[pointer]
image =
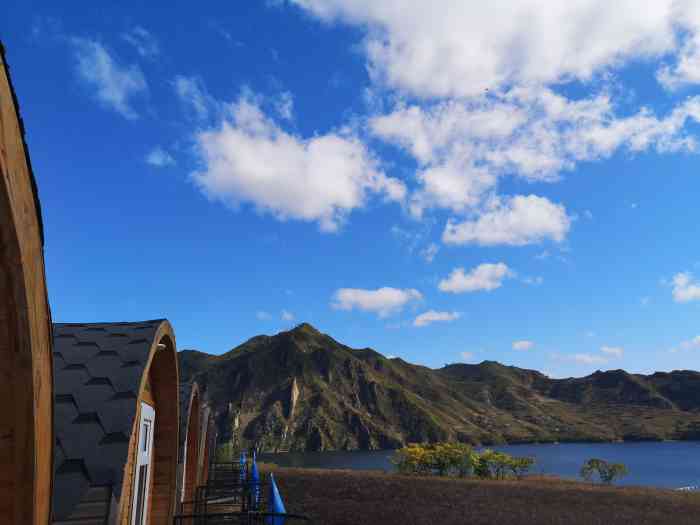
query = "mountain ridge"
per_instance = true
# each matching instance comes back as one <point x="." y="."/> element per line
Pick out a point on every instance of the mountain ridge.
<point x="302" y="390"/>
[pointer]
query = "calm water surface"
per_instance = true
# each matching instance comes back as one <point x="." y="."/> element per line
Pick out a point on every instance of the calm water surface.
<point x="668" y="464"/>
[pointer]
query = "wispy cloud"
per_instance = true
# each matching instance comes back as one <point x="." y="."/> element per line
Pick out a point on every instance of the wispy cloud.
<point x="143" y="41"/>
<point x="429" y="252"/>
<point x="160" y="158"/>
<point x="193" y="94"/>
<point x="115" y="84"/>
<point x="261" y="315"/>
<point x="523" y="345"/>
<point x="284" y="104"/>
<point x="612" y="351"/>
<point x="588" y="359"/>
<point x="433" y="316"/>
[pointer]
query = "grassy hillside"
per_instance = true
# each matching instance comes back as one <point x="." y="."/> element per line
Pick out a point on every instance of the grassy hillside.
<point x="302" y="390"/>
<point x="337" y="497"/>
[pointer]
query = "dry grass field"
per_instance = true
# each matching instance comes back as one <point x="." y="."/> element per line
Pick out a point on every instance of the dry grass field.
<point x="343" y="497"/>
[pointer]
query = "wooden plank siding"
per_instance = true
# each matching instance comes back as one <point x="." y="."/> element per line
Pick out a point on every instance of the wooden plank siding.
<point x="192" y="446"/>
<point x="26" y="429"/>
<point x="160" y="390"/>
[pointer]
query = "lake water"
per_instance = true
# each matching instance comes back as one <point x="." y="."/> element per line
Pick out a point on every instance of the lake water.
<point x="666" y="464"/>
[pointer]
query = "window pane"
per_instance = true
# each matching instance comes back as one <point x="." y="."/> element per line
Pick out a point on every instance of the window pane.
<point x="141" y="494"/>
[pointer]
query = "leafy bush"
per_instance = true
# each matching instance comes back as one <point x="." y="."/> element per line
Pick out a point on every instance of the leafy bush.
<point x="607" y="472"/>
<point x="458" y="459"/>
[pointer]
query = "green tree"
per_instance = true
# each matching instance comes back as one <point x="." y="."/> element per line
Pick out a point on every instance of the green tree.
<point x="607" y="472"/>
<point x="412" y="459"/>
<point x="520" y="466"/>
<point x="492" y="464"/>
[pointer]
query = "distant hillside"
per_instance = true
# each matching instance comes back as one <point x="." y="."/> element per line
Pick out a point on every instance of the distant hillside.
<point x="302" y="390"/>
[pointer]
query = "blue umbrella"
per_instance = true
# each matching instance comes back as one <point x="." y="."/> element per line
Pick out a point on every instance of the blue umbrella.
<point x="255" y="479"/>
<point x="276" y="504"/>
<point x="244" y="464"/>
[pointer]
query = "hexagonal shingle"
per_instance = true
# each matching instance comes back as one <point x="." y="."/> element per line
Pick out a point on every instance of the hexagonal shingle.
<point x="97" y="372"/>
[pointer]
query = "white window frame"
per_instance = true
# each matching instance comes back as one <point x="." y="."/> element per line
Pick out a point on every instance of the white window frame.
<point x="144" y="456"/>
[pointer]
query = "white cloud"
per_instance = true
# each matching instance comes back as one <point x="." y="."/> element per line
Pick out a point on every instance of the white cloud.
<point x="686" y="69"/>
<point x="533" y="281"/>
<point x="474" y="100"/>
<point x="432" y="316"/>
<point x="249" y="158"/>
<point x="515" y="221"/>
<point x="194" y="95"/>
<point x="285" y="105"/>
<point x="523" y="345"/>
<point x="160" y="158"/>
<point x="262" y="315"/>
<point x="457" y="48"/>
<point x="286" y="315"/>
<point x="466" y="356"/>
<point x="429" y="252"/>
<point x="685" y="289"/>
<point x="613" y="351"/>
<point x="486" y="276"/>
<point x="115" y="84"/>
<point x="691" y="343"/>
<point x="464" y="147"/>
<point x="382" y="301"/>
<point x="588" y="359"/>
<point x="143" y="41"/>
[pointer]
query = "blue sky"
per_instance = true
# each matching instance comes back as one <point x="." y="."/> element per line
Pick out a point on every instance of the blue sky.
<point x="514" y="182"/>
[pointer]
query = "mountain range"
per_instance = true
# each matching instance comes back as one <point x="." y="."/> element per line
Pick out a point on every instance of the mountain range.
<point x="303" y="390"/>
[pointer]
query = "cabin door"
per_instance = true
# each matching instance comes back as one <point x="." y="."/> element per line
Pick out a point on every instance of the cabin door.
<point x="143" y="466"/>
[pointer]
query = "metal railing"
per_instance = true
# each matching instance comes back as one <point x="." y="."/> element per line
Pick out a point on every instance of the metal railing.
<point x="240" y="518"/>
<point x="230" y="497"/>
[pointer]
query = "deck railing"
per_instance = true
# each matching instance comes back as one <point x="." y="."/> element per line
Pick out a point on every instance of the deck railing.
<point x="231" y="497"/>
<point x="240" y="518"/>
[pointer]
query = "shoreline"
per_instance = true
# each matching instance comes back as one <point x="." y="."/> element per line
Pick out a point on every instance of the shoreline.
<point x="508" y="444"/>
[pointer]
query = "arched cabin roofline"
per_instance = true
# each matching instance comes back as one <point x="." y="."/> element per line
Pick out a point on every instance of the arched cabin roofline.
<point x="161" y="371"/>
<point x="26" y="424"/>
<point x="190" y="448"/>
<point x="104" y="371"/>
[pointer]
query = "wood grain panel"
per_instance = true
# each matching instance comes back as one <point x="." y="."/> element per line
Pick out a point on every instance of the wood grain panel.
<point x="159" y="387"/>
<point x="26" y="424"/>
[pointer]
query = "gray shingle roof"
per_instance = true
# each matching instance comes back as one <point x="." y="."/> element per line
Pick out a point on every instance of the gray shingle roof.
<point x="97" y="374"/>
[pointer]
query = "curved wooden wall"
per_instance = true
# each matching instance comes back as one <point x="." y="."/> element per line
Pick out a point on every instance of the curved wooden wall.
<point x="26" y="428"/>
<point x="159" y="387"/>
<point x="191" y="470"/>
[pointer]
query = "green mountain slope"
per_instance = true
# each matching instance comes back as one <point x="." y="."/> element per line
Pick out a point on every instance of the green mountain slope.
<point x="302" y="390"/>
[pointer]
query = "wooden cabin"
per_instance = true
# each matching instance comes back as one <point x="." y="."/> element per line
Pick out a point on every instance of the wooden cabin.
<point x="197" y="431"/>
<point x="116" y="423"/>
<point x="26" y="431"/>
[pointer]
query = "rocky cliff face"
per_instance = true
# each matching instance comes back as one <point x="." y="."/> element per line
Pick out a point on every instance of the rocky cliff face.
<point x="302" y="390"/>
